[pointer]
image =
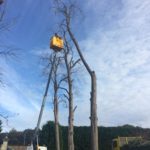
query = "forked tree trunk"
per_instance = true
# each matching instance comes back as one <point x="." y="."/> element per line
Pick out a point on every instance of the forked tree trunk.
<point x="93" y="99"/>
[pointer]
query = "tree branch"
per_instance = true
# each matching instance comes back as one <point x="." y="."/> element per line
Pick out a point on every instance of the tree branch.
<point x="75" y="108"/>
<point x="64" y="89"/>
<point x="76" y="62"/>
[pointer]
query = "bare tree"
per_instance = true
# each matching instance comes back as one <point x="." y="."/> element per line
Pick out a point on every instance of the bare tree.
<point x="70" y="64"/>
<point x="5" y="118"/>
<point x="68" y="89"/>
<point x="70" y="100"/>
<point x="6" y="51"/>
<point x="67" y="10"/>
<point x="56" y="101"/>
<point x="5" y="24"/>
<point x="57" y="80"/>
<point x="64" y="82"/>
<point x="56" y="107"/>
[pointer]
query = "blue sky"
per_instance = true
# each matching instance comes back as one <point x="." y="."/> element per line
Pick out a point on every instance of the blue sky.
<point x="114" y="36"/>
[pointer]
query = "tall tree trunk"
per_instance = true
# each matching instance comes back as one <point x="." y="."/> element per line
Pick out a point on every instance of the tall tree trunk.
<point x="57" y="139"/>
<point x="71" y="112"/>
<point x="71" y="128"/>
<point x="93" y="117"/>
<point x="94" y="128"/>
<point x="70" y="119"/>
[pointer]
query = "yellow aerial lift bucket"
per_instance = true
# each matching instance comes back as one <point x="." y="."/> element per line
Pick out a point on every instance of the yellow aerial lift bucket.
<point x="56" y="43"/>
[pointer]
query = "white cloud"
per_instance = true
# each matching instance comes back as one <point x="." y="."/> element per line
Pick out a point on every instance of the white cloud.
<point x="18" y="97"/>
<point x="120" y="57"/>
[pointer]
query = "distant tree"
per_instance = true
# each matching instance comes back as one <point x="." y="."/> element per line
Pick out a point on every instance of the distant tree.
<point x="15" y="136"/>
<point x="27" y="136"/>
<point x="47" y="135"/>
<point x="81" y="136"/>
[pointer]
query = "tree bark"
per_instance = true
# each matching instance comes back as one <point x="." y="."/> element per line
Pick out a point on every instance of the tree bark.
<point x="94" y="128"/>
<point x="70" y="121"/>
<point x="56" y="107"/>
<point x="57" y="140"/>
